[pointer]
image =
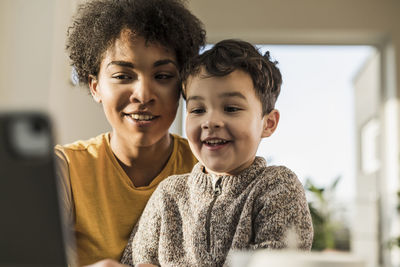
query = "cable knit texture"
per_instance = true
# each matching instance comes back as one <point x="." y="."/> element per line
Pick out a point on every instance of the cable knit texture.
<point x="190" y="222"/>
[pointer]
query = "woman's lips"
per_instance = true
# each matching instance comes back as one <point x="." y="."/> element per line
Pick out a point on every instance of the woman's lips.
<point x="141" y="119"/>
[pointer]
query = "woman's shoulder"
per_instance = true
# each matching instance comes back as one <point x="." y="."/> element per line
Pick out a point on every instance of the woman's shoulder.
<point x="181" y="144"/>
<point x="183" y="158"/>
<point x="80" y="145"/>
<point x="88" y="151"/>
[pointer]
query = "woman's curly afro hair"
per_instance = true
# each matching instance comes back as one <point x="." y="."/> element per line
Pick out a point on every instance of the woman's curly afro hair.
<point x="98" y="24"/>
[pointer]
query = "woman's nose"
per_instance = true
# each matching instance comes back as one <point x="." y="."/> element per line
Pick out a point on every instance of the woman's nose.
<point x="142" y="91"/>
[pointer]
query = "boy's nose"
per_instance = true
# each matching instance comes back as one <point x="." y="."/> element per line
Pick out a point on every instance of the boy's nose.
<point x="142" y="92"/>
<point x="212" y="122"/>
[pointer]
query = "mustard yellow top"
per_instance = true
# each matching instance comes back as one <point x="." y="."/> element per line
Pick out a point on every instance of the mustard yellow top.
<point x="101" y="200"/>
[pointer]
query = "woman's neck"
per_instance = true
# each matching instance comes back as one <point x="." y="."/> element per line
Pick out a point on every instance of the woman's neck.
<point x="142" y="163"/>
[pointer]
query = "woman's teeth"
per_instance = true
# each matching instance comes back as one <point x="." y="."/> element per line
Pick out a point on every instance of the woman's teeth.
<point x="142" y="117"/>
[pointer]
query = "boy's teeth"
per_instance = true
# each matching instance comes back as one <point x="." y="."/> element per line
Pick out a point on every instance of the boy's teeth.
<point x="215" y="141"/>
<point x="141" y="117"/>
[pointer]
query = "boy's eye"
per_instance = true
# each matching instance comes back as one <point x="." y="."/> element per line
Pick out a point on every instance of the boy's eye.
<point x="197" y="110"/>
<point x="231" y="109"/>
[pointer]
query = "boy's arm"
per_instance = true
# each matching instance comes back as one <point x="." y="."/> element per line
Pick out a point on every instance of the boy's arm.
<point x="284" y="218"/>
<point x="127" y="254"/>
<point x="143" y="243"/>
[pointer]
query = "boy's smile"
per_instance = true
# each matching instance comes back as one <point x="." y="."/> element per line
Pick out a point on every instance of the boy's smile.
<point x="224" y="121"/>
<point x="215" y="143"/>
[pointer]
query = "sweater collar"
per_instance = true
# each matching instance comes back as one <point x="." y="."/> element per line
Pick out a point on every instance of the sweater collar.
<point x="229" y="183"/>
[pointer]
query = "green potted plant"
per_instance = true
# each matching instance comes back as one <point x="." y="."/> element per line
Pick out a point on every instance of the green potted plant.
<point x="395" y="241"/>
<point x="330" y="233"/>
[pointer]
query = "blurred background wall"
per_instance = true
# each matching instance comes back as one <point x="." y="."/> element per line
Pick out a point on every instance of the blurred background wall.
<point x="35" y="72"/>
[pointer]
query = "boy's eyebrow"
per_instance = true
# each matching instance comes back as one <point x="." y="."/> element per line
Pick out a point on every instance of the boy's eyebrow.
<point x="194" y="97"/>
<point x="233" y="94"/>
<point x="223" y="95"/>
<point x="131" y="65"/>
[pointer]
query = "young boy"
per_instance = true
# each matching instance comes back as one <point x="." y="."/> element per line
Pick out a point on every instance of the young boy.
<point x="231" y="200"/>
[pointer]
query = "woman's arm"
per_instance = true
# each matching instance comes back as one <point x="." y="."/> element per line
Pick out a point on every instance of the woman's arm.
<point x="64" y="183"/>
<point x="66" y="202"/>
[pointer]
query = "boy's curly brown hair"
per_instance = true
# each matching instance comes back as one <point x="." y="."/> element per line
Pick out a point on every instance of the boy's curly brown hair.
<point x="98" y="24"/>
<point x="229" y="55"/>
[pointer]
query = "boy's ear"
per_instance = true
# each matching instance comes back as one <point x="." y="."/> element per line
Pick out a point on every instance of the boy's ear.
<point x="93" y="86"/>
<point x="270" y="123"/>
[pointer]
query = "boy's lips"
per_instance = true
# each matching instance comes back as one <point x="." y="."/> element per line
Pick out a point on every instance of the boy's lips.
<point x="215" y="143"/>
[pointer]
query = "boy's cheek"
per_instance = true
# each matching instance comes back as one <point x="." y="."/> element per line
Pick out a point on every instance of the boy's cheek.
<point x="193" y="132"/>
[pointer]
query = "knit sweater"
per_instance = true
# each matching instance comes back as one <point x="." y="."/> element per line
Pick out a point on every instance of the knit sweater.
<point x="189" y="221"/>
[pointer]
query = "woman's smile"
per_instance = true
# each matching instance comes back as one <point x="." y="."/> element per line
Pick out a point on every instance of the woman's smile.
<point x="138" y="86"/>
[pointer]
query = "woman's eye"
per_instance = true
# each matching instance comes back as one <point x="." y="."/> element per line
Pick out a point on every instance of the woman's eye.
<point x="163" y="76"/>
<point x="121" y="77"/>
<point x="231" y="109"/>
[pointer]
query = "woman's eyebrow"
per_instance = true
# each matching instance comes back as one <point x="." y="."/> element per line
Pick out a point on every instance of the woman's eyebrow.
<point x="121" y="63"/>
<point x="131" y="65"/>
<point x="164" y="62"/>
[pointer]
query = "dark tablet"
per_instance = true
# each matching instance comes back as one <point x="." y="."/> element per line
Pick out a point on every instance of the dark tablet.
<point x="31" y="227"/>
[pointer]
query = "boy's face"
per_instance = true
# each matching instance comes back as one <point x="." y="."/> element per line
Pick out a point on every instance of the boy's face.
<point x="224" y="121"/>
<point x="138" y="87"/>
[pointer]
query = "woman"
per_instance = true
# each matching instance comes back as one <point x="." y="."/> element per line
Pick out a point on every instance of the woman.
<point x="129" y="54"/>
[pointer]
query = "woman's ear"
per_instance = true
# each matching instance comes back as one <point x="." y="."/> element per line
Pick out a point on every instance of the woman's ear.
<point x="93" y="86"/>
<point x="270" y="123"/>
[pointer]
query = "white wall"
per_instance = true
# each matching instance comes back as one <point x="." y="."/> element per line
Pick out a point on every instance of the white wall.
<point x="366" y="223"/>
<point x="25" y="53"/>
<point x="76" y="115"/>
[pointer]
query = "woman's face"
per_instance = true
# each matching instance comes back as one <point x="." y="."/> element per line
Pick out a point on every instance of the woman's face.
<point x="138" y="87"/>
